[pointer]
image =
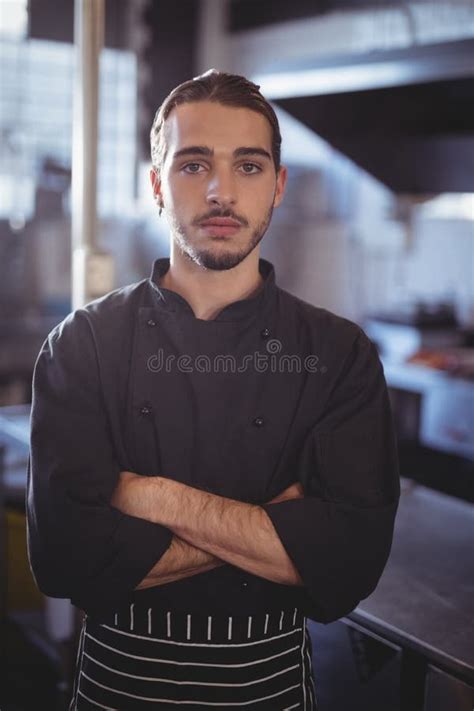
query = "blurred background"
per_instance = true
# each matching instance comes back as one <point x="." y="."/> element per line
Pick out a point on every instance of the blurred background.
<point x="375" y="102"/>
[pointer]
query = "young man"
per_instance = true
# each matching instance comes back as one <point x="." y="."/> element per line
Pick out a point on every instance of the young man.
<point x="212" y="459"/>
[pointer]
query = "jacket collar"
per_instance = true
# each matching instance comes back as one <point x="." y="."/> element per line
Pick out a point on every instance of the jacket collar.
<point x="235" y="311"/>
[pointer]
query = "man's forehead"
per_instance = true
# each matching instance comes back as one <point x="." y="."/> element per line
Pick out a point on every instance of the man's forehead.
<point x="213" y="124"/>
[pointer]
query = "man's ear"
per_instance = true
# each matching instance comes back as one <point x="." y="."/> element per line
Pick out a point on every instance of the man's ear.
<point x="282" y="177"/>
<point x="156" y="185"/>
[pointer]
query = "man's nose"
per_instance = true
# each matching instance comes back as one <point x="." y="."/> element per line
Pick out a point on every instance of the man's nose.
<point x="221" y="188"/>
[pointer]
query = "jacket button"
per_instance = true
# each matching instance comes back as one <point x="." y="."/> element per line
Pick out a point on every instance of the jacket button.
<point x="265" y="332"/>
<point x="150" y="322"/>
<point x="244" y="584"/>
<point x="145" y="410"/>
<point x="258" y="421"/>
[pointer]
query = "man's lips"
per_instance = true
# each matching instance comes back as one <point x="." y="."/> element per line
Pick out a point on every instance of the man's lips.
<point x="220" y="226"/>
<point x="220" y="222"/>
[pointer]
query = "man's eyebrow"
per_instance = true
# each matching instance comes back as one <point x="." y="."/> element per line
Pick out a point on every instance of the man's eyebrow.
<point x="193" y="151"/>
<point x="252" y="151"/>
<point x="205" y="151"/>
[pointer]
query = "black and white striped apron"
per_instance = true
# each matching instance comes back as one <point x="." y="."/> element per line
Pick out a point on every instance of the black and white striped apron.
<point x="143" y="659"/>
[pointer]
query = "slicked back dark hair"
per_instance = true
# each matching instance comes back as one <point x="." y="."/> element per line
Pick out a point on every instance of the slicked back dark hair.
<point x="223" y="88"/>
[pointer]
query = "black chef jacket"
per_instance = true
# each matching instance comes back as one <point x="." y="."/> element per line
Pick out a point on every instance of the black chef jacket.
<point x="271" y="391"/>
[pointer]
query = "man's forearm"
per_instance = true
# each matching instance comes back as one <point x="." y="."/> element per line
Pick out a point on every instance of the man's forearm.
<point x="180" y="560"/>
<point x="238" y="533"/>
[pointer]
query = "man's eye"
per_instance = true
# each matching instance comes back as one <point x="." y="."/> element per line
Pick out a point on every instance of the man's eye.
<point x="192" y="167"/>
<point x="250" y="168"/>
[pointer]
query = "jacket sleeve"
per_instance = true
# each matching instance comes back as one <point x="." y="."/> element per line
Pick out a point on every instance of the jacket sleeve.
<point x="80" y="547"/>
<point x="339" y="536"/>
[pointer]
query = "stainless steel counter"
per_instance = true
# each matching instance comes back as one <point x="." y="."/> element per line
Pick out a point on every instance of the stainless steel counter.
<point x="424" y="602"/>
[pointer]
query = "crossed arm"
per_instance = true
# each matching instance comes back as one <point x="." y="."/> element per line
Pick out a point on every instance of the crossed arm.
<point x="209" y="530"/>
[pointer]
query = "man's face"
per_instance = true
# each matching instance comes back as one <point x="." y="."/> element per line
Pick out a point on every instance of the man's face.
<point x="218" y="181"/>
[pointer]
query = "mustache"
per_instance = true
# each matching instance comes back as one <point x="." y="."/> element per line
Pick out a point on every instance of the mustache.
<point x="222" y="213"/>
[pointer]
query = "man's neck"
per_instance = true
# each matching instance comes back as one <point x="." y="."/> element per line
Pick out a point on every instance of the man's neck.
<point x="208" y="291"/>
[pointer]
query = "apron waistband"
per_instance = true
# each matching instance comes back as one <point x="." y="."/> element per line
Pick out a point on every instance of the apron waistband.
<point x="201" y="627"/>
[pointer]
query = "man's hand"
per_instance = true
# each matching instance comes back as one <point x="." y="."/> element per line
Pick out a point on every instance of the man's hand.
<point x="120" y="500"/>
<point x="295" y="491"/>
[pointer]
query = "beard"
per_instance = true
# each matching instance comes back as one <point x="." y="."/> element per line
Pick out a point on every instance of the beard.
<point x="217" y="260"/>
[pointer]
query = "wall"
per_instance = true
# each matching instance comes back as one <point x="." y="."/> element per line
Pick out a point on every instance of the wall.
<point x="326" y="262"/>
